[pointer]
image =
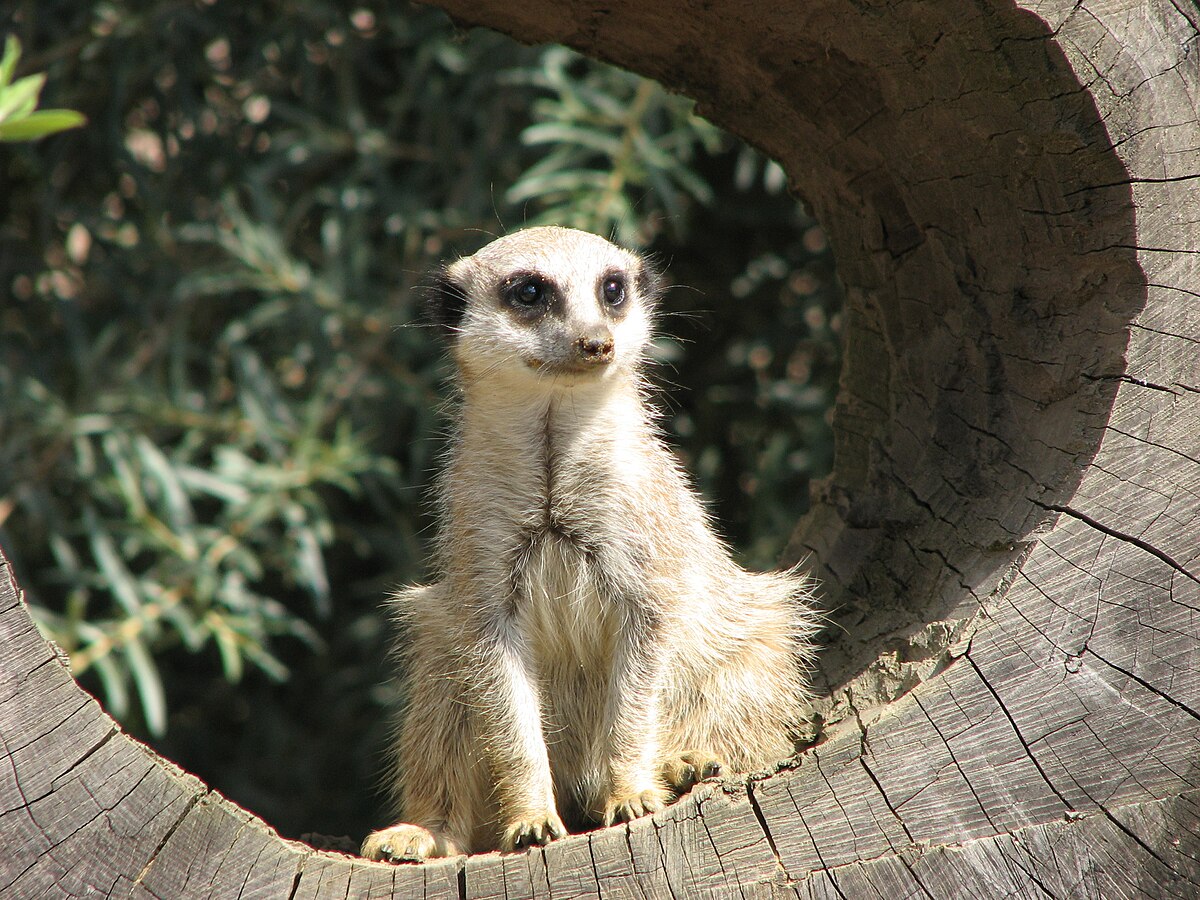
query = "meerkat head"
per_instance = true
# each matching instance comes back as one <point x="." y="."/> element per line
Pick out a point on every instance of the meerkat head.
<point x="553" y="304"/>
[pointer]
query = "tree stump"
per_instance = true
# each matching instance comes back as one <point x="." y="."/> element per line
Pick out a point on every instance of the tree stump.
<point x="1009" y="543"/>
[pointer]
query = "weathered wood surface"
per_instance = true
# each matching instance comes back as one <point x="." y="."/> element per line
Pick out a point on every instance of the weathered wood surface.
<point x="1010" y="542"/>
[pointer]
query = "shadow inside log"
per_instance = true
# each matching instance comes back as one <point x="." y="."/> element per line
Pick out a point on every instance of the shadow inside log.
<point x="984" y="229"/>
<point x="985" y="232"/>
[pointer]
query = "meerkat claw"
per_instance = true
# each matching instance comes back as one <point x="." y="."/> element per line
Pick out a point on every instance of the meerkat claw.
<point x="528" y="833"/>
<point x="634" y="806"/>
<point x="405" y="844"/>
<point x="685" y="771"/>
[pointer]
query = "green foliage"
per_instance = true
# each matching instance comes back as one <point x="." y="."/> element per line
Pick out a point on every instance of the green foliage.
<point x="218" y="414"/>
<point x="609" y="140"/>
<point x="20" y="119"/>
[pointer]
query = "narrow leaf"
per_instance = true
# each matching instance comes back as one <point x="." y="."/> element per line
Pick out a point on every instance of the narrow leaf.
<point x="272" y="667"/>
<point x="41" y="124"/>
<point x="21" y="96"/>
<point x="311" y="565"/>
<point x="149" y="686"/>
<point x="206" y="482"/>
<point x="156" y="464"/>
<point x="568" y="182"/>
<point x="8" y="65"/>
<point x="229" y="647"/>
<point x="120" y="580"/>
<point x="562" y="133"/>
<point x="112" y="680"/>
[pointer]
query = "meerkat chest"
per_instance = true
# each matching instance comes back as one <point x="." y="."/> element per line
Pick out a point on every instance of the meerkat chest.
<point x="540" y="503"/>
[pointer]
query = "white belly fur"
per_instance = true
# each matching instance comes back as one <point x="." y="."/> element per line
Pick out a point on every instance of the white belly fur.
<point x="572" y="631"/>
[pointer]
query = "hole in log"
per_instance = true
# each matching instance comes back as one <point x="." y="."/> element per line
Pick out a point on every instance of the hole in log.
<point x="978" y="172"/>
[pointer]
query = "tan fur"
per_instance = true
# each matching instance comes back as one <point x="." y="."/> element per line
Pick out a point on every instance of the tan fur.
<point x="590" y="649"/>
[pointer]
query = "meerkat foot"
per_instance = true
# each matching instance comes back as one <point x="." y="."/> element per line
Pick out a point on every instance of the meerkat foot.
<point x="407" y="843"/>
<point x="537" y="830"/>
<point x="634" y="806"/>
<point x="683" y="772"/>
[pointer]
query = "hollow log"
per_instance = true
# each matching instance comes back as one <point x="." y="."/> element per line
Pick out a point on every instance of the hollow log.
<point x="1009" y="544"/>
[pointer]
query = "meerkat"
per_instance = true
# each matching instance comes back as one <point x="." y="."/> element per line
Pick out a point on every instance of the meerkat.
<point x="590" y="649"/>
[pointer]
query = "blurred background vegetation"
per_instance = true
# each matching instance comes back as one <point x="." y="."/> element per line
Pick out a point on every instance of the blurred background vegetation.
<point x="217" y="422"/>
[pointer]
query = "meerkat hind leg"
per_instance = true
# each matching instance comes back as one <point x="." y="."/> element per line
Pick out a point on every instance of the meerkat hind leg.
<point x="683" y="772"/>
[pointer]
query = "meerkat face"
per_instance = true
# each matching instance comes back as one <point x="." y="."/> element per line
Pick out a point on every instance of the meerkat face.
<point x="553" y="304"/>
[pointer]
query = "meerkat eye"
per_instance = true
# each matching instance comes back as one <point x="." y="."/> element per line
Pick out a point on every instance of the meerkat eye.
<point x="612" y="289"/>
<point x="527" y="293"/>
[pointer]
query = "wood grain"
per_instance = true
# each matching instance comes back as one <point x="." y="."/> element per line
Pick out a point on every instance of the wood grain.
<point x="1010" y="542"/>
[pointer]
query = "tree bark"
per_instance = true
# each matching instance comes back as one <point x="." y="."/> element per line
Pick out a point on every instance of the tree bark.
<point x="1009" y="542"/>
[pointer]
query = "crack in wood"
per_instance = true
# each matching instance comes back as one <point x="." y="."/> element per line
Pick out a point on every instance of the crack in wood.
<point x="1184" y="12"/>
<point x="1150" y="385"/>
<point x="830" y="871"/>
<point x="862" y="761"/>
<point x="864" y="748"/>
<point x="1017" y="731"/>
<point x="1028" y="872"/>
<point x="716" y="850"/>
<point x="237" y="833"/>
<point x="1144" y="249"/>
<point x="632" y="859"/>
<point x="1129" y="182"/>
<point x="1151" y="443"/>
<point x="296" y="878"/>
<point x="83" y="704"/>
<point x="1071" y="652"/>
<point x="913" y="875"/>
<point x="1144" y="683"/>
<point x="125" y="796"/>
<point x="95" y="748"/>
<point x="761" y="818"/>
<point x="1119" y="535"/>
<point x="191" y="804"/>
<point x="595" y="869"/>
<point x="25" y="804"/>
<point x="1129" y="379"/>
<point x="663" y="859"/>
<point x="957" y="765"/>
<point x="252" y="868"/>
<point x="504" y="876"/>
<point x="1129" y="833"/>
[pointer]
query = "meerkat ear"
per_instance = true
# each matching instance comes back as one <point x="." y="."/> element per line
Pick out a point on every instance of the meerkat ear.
<point x="649" y="282"/>
<point x="445" y="302"/>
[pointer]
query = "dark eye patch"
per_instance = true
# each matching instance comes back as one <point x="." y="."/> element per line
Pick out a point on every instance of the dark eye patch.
<point x="527" y="293"/>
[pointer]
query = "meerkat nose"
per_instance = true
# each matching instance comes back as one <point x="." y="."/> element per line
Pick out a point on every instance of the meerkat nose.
<point x="596" y="347"/>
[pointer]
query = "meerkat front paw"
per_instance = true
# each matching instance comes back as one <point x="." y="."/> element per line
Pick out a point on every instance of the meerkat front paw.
<point x="633" y="806"/>
<point x="535" y="830"/>
<point x="407" y="843"/>
<point x="683" y="772"/>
